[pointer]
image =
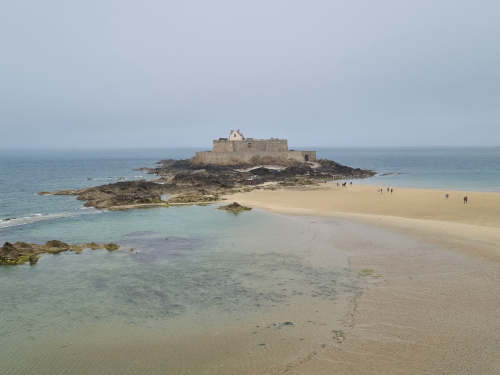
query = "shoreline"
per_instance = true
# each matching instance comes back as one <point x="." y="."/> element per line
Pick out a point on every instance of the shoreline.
<point x="426" y="213"/>
<point x="429" y="305"/>
<point x="476" y="189"/>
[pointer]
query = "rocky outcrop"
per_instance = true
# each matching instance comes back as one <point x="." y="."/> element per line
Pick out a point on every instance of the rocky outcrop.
<point x="190" y="183"/>
<point x="235" y="208"/>
<point x="23" y="252"/>
<point x="117" y="194"/>
<point x="202" y="196"/>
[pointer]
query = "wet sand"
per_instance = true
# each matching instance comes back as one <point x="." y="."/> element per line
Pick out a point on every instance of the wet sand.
<point x="432" y="305"/>
<point x="474" y="227"/>
<point x="429" y="310"/>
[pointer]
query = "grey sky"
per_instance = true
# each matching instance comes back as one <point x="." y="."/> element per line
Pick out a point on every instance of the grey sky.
<point x="121" y="73"/>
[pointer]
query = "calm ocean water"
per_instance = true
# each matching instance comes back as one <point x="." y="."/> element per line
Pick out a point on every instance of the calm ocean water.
<point x="473" y="169"/>
<point x="24" y="173"/>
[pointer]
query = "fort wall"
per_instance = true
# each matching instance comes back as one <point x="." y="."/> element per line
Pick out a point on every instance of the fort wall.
<point x="251" y="151"/>
<point x="253" y="157"/>
<point x="250" y="144"/>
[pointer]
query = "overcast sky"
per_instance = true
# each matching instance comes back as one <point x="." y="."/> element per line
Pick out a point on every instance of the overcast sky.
<point x="122" y="73"/>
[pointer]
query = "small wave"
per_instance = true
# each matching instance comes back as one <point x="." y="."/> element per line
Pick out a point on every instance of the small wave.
<point x="117" y="178"/>
<point x="33" y="218"/>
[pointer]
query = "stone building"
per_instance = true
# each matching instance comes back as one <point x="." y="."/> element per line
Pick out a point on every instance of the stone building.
<point x="240" y="150"/>
<point x="236" y="135"/>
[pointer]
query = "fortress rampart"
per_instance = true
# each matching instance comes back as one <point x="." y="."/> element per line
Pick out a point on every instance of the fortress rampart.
<point x="242" y="157"/>
<point x="251" y="151"/>
<point x="251" y="145"/>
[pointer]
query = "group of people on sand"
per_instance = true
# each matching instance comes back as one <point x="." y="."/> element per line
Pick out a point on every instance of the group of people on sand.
<point x="389" y="190"/>
<point x="466" y="198"/>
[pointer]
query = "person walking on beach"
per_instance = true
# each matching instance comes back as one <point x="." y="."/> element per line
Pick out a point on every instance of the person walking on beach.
<point x="447" y="195"/>
<point x="392" y="190"/>
<point x="466" y="199"/>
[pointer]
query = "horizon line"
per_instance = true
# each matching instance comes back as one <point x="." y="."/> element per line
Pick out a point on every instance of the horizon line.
<point x="118" y="148"/>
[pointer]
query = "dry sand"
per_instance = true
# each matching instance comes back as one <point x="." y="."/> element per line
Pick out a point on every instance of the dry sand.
<point x="427" y="308"/>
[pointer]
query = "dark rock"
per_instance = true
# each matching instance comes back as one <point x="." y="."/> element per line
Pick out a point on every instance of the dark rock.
<point x="93" y="246"/>
<point x="57" y="244"/>
<point x="111" y="246"/>
<point x="235" y="208"/>
<point x="34" y="259"/>
<point x="8" y="248"/>
<point x="23" y="245"/>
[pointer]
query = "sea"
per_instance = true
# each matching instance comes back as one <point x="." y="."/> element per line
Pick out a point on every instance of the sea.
<point x="25" y="173"/>
<point x="180" y="270"/>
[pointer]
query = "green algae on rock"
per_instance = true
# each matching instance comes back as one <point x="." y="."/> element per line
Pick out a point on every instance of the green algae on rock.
<point x="111" y="246"/>
<point x="23" y="252"/>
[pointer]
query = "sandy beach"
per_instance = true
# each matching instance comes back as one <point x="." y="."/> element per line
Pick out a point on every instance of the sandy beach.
<point x="474" y="227"/>
<point x="430" y="306"/>
<point x="426" y="309"/>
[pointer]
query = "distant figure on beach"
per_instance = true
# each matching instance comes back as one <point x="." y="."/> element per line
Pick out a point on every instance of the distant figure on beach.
<point x="351" y="182"/>
<point x="447" y="195"/>
<point x="466" y="199"/>
<point x="392" y="190"/>
<point x="388" y="189"/>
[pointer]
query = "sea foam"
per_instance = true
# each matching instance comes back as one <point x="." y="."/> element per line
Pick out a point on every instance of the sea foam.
<point x="36" y="217"/>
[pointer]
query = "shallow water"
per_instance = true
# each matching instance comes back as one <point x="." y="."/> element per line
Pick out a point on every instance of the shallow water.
<point x="189" y="264"/>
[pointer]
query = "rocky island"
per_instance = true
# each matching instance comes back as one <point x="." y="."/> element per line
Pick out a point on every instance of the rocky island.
<point x="235" y="164"/>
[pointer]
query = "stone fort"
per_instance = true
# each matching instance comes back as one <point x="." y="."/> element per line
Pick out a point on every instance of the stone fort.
<point x="240" y="150"/>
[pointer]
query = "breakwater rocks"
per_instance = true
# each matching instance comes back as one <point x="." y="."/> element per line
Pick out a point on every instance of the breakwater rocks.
<point x="235" y="208"/>
<point x="189" y="183"/>
<point x="23" y="252"/>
